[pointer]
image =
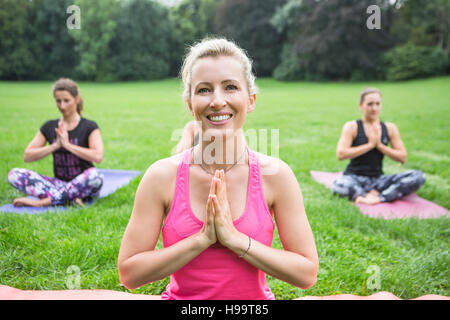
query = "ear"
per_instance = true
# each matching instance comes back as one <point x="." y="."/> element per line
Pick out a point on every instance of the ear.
<point x="252" y="104"/>
<point x="361" y="106"/>
<point x="77" y="99"/>
<point x="190" y="106"/>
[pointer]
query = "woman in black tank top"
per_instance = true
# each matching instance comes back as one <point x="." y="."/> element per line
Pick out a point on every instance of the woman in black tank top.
<point x="365" y="143"/>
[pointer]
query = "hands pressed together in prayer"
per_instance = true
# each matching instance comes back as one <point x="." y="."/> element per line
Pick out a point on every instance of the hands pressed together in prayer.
<point x="374" y="135"/>
<point x="62" y="135"/>
<point x="218" y="225"/>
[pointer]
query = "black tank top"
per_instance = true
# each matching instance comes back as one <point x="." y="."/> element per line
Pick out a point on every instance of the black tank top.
<point x="370" y="163"/>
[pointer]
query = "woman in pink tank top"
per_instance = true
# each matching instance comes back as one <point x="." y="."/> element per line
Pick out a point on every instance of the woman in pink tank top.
<point x="215" y="203"/>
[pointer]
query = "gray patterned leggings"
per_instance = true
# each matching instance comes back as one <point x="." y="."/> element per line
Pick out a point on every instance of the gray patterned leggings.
<point x="390" y="186"/>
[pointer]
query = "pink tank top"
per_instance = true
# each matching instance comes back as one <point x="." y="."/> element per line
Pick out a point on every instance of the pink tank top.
<point x="218" y="273"/>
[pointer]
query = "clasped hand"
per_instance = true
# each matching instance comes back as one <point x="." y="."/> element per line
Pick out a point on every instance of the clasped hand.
<point x="218" y="225"/>
<point x="62" y="136"/>
<point x="374" y="135"/>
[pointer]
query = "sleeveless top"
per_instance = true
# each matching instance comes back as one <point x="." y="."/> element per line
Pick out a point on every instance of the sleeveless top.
<point x="370" y="163"/>
<point x="217" y="272"/>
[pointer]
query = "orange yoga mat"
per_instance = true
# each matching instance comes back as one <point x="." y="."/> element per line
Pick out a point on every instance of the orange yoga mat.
<point x="9" y="293"/>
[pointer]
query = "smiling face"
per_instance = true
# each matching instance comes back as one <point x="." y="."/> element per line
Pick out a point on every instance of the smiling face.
<point x="66" y="103"/>
<point x="219" y="95"/>
<point x="371" y="106"/>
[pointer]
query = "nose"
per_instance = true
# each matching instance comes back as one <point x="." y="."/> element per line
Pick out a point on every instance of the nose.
<point x="218" y="99"/>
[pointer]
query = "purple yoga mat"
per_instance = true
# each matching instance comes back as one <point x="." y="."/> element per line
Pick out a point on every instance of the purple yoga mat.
<point x="411" y="206"/>
<point x="112" y="180"/>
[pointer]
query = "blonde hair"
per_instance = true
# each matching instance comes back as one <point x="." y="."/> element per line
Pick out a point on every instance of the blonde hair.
<point x="66" y="84"/>
<point x="216" y="47"/>
<point x="367" y="91"/>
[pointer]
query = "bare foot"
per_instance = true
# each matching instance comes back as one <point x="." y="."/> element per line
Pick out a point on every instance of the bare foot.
<point x="374" y="192"/>
<point x="368" y="199"/>
<point x="27" y="202"/>
<point x="79" y="202"/>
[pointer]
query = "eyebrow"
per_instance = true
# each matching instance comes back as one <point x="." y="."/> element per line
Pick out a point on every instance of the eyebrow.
<point x="228" y="80"/>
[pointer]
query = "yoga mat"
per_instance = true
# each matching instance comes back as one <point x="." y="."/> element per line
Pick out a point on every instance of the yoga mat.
<point x="410" y="206"/>
<point x="112" y="180"/>
<point x="9" y="293"/>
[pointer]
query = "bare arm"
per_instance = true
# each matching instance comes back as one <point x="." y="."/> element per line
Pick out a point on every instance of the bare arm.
<point x="139" y="263"/>
<point x="298" y="263"/>
<point x="344" y="148"/>
<point x="398" y="150"/>
<point x="93" y="153"/>
<point x="37" y="149"/>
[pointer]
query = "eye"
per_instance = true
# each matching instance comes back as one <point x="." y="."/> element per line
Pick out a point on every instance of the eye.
<point x="232" y="86"/>
<point x="202" y="90"/>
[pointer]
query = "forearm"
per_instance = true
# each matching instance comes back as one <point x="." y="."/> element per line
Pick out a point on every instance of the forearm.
<point x="396" y="155"/>
<point x="281" y="264"/>
<point x="87" y="154"/>
<point x="35" y="154"/>
<point x="154" y="265"/>
<point x="353" y="152"/>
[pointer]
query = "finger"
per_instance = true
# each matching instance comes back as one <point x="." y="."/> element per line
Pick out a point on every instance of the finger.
<point x="215" y="204"/>
<point x="212" y="188"/>
<point x="224" y="184"/>
<point x="221" y="187"/>
<point x="209" y="209"/>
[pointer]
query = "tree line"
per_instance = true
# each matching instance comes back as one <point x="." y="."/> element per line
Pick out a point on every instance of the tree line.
<point x="121" y="40"/>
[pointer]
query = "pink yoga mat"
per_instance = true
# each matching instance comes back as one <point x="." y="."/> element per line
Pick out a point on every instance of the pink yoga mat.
<point x="411" y="206"/>
<point x="9" y="293"/>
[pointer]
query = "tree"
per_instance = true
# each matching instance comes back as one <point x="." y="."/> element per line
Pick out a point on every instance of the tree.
<point x="140" y="50"/>
<point x="424" y="23"/>
<point x="192" y="20"/>
<point x="331" y="40"/>
<point x="248" y="23"/>
<point x="15" y="56"/>
<point x="49" y="40"/>
<point x="98" y="26"/>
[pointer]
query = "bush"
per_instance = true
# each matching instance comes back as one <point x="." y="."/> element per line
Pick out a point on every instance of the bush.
<point x="409" y="61"/>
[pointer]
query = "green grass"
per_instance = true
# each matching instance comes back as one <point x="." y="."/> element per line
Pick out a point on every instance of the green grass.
<point x="137" y="121"/>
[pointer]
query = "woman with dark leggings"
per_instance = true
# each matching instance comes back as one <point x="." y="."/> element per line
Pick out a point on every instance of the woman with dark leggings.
<point x="365" y="143"/>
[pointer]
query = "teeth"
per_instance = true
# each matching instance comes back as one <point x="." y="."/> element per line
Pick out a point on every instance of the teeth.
<point x="220" y="118"/>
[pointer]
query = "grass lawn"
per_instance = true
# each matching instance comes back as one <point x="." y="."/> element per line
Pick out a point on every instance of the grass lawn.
<point x="138" y="122"/>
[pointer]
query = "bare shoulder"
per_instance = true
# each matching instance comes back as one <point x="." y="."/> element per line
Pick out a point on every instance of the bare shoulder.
<point x="276" y="174"/>
<point x="272" y="167"/>
<point x="391" y="125"/>
<point x="350" y="127"/>
<point x="161" y="176"/>
<point x="166" y="166"/>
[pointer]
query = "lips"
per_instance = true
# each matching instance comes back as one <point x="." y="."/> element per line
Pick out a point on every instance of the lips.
<point x="219" y="118"/>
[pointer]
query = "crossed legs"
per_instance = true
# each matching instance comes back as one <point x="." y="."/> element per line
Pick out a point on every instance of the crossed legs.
<point x="372" y="190"/>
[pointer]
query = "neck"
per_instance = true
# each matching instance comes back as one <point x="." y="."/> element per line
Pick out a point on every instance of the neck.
<point x="71" y="119"/>
<point x="370" y="120"/>
<point x="221" y="152"/>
